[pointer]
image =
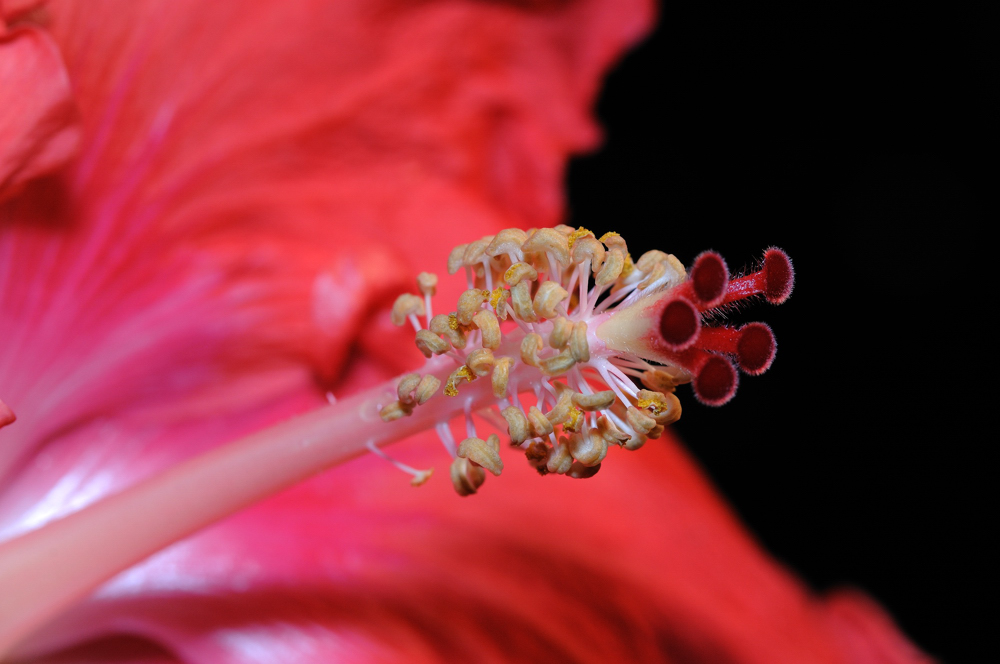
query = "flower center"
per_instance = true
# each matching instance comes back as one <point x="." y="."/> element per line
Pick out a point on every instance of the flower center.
<point x="572" y="320"/>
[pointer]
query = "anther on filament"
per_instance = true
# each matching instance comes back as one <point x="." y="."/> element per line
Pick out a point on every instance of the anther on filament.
<point x="560" y="324"/>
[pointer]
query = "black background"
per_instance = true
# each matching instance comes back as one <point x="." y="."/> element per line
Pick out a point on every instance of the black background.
<point x="862" y="144"/>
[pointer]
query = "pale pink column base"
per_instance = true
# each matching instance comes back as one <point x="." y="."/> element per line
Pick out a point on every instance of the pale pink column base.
<point x="48" y="569"/>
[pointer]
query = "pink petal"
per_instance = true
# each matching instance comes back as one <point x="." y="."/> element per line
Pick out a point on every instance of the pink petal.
<point x="255" y="181"/>
<point x="642" y="563"/>
<point x="6" y="415"/>
<point x="38" y="119"/>
<point x="237" y="162"/>
<point x="12" y="9"/>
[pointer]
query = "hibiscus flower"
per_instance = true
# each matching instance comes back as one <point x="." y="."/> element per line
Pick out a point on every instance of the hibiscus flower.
<point x="209" y="209"/>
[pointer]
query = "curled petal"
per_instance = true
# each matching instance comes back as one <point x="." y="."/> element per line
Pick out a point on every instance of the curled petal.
<point x="39" y="130"/>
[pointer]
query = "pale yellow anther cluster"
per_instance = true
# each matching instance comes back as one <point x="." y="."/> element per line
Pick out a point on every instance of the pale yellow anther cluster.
<point x="546" y="281"/>
<point x="413" y="390"/>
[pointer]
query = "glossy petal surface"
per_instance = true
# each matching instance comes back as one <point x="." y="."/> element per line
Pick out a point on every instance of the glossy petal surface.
<point x="255" y="182"/>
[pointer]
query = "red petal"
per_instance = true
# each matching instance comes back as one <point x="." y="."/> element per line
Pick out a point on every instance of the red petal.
<point x="238" y="161"/>
<point x="11" y="9"/>
<point x="241" y="163"/>
<point x="38" y="129"/>
<point x="641" y="563"/>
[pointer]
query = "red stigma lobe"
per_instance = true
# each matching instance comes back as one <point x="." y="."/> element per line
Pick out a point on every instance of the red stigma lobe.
<point x="709" y="278"/>
<point x="679" y="324"/>
<point x="774" y="280"/>
<point x="753" y="345"/>
<point x="715" y="381"/>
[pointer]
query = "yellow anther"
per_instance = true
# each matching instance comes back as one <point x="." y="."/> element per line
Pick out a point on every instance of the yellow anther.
<point x="517" y="425"/>
<point x="578" y="471"/>
<point x="614" y="261"/>
<point x="406" y="305"/>
<point x="665" y="408"/>
<point x="427" y="283"/>
<point x="559" y="364"/>
<point x="665" y="379"/>
<point x="485" y="453"/>
<point x="656" y="273"/>
<point x="480" y="361"/>
<point x="613" y="240"/>
<point x="587" y="248"/>
<point x="548" y="240"/>
<point x="469" y="303"/>
<point x="576" y="235"/>
<point x="635" y="442"/>
<point x="678" y="267"/>
<point x="488" y="324"/>
<point x="639" y="420"/>
<point x="519" y="272"/>
<point x="430" y="343"/>
<point x="475" y="252"/>
<point x="548" y="297"/>
<point x="596" y="401"/>
<point x="394" y="411"/>
<point x="560" y="460"/>
<point x="610" y="433"/>
<point x="589" y="449"/>
<point x="520" y="300"/>
<point x="650" y="259"/>
<point x="442" y="324"/>
<point x="495" y="296"/>
<point x="451" y="387"/>
<point x="428" y="386"/>
<point x="561" y="411"/>
<point x="578" y="345"/>
<point x="498" y="301"/>
<point x="654" y="401"/>
<point x="421" y="477"/>
<point x="562" y="328"/>
<point x="455" y="258"/>
<point x="540" y="425"/>
<point x="407" y="384"/>
<point x="628" y="267"/>
<point x="507" y="241"/>
<point x="530" y="345"/>
<point x="575" y="420"/>
<point x="501" y="373"/>
<point x="466" y="477"/>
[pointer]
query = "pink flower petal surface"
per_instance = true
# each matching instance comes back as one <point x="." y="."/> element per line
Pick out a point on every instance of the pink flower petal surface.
<point x="38" y="119"/>
<point x="255" y="182"/>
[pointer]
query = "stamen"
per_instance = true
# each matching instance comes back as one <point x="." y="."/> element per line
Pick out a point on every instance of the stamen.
<point x="484" y="453"/>
<point x="407" y="307"/>
<point x="419" y="476"/>
<point x="427" y="285"/>
<point x="448" y="440"/>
